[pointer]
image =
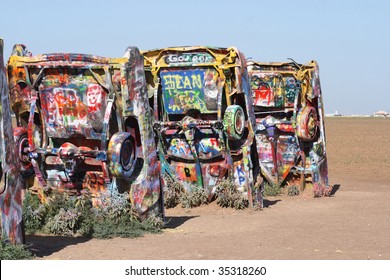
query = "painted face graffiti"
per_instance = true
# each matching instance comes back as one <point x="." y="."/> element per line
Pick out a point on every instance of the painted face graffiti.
<point x="291" y="91"/>
<point x="95" y="95"/>
<point x="211" y="91"/>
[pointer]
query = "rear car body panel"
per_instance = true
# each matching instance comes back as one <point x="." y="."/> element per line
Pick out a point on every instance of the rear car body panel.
<point x="200" y="151"/>
<point x="290" y="132"/>
<point x="88" y="124"/>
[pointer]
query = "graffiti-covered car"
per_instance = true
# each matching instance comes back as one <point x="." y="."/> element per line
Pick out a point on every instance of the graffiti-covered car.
<point x="204" y="120"/>
<point x="83" y="123"/>
<point x="11" y="187"/>
<point x="290" y="132"/>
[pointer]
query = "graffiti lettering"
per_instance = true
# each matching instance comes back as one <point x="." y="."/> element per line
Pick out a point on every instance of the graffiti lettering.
<point x="240" y="175"/>
<point x="187" y="172"/>
<point x="183" y="90"/>
<point x="177" y="81"/>
<point x="189" y="89"/>
<point x="180" y="148"/>
<point x="188" y="58"/>
<point x="239" y="170"/>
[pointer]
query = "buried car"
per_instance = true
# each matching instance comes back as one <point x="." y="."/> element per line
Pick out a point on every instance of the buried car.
<point x="11" y="188"/>
<point x="204" y="120"/>
<point x="290" y="132"/>
<point x="83" y="123"/>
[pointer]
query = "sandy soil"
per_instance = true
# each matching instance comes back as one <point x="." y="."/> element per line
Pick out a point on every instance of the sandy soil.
<point x="352" y="224"/>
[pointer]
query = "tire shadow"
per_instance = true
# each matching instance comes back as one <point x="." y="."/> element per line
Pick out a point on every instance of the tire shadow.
<point x="335" y="188"/>
<point x="42" y="246"/>
<point x="267" y="203"/>
<point x="176" y="221"/>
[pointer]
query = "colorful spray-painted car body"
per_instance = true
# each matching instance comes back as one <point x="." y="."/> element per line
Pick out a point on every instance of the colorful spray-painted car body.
<point x="201" y="150"/>
<point x="83" y="123"/>
<point x="290" y="132"/>
<point x="11" y="187"/>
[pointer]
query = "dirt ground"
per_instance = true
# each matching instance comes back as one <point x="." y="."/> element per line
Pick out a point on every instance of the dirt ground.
<point x="354" y="223"/>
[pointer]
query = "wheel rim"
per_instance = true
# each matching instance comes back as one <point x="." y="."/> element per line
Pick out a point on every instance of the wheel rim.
<point x="127" y="154"/>
<point x="239" y="122"/>
<point x="23" y="156"/>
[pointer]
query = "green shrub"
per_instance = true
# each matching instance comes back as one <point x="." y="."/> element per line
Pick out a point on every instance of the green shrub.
<point x="229" y="196"/>
<point x="34" y="213"/>
<point x="271" y="190"/>
<point x="113" y="217"/>
<point x="10" y="251"/>
<point x="194" y="199"/>
<point x="61" y="214"/>
<point x="320" y="190"/>
<point x="67" y="223"/>
<point x="75" y="216"/>
<point x="113" y="204"/>
<point x="293" y="190"/>
<point x="153" y="223"/>
<point x="172" y="192"/>
<point x="125" y="226"/>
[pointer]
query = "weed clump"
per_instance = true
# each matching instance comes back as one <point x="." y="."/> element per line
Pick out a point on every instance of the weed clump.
<point x="61" y="214"/>
<point x="10" y="251"/>
<point x="320" y="190"/>
<point x="68" y="215"/>
<point x="194" y="199"/>
<point x="229" y="196"/>
<point x="172" y="192"/>
<point x="115" y="217"/>
<point x="226" y="191"/>
<point x="271" y="190"/>
<point x="293" y="190"/>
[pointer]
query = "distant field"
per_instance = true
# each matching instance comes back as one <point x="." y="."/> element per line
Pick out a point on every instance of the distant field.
<point x="359" y="147"/>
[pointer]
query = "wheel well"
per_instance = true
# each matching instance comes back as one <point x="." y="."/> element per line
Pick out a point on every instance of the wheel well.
<point x="131" y="125"/>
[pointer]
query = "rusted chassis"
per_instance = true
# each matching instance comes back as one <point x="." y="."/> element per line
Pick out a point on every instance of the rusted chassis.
<point x="290" y="132"/>
<point x="83" y="123"/>
<point x="199" y="151"/>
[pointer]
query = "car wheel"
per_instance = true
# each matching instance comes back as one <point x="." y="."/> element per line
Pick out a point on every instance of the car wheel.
<point x="234" y="122"/>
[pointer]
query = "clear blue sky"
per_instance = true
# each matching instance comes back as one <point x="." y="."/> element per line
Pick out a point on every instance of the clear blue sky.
<point x="349" y="39"/>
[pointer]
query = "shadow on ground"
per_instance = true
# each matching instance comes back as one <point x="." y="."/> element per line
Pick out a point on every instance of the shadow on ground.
<point x="335" y="188"/>
<point x="42" y="246"/>
<point x="267" y="203"/>
<point x="176" y="221"/>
